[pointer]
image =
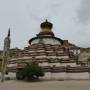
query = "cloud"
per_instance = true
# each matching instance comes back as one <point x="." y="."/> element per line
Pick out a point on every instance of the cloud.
<point x="25" y="16"/>
<point x="84" y="11"/>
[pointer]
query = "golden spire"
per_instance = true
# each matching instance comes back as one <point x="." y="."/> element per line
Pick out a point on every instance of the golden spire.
<point x="46" y="26"/>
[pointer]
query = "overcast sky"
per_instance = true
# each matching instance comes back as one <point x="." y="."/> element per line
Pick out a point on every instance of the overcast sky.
<point x="71" y="20"/>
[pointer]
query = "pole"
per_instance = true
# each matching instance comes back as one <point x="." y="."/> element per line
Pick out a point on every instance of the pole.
<point x="5" y="56"/>
<point x="3" y="68"/>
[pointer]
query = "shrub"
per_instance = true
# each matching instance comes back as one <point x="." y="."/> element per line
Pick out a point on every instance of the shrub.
<point x="30" y="72"/>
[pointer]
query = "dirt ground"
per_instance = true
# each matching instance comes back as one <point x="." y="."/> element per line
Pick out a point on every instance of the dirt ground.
<point x="46" y="85"/>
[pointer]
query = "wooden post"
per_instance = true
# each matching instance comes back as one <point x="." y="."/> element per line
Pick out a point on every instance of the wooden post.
<point x="3" y="68"/>
<point x="5" y="56"/>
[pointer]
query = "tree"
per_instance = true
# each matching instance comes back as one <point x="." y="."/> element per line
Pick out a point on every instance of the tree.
<point x="30" y="72"/>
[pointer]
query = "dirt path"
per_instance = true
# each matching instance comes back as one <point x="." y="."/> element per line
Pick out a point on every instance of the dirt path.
<point x="45" y="85"/>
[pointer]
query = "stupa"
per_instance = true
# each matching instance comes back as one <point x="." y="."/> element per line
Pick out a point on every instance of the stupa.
<point x="53" y="54"/>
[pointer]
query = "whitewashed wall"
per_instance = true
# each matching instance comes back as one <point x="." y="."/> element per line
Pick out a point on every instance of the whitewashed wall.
<point x="70" y="64"/>
<point x="63" y="57"/>
<point x="12" y="65"/>
<point x="64" y="75"/>
<point x="54" y="64"/>
<point x="61" y="75"/>
<point x="53" y="57"/>
<point x="57" y="64"/>
<point x="44" y="64"/>
<point x="47" y="75"/>
<point x="82" y="75"/>
<point x="47" y="41"/>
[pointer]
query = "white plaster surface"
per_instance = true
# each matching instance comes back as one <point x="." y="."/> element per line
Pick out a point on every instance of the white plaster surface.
<point x="46" y="41"/>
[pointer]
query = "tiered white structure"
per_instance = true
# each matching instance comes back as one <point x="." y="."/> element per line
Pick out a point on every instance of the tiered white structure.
<point x="53" y="54"/>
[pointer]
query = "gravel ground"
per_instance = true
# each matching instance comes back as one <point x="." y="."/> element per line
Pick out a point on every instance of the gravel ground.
<point x="13" y="84"/>
<point x="46" y="85"/>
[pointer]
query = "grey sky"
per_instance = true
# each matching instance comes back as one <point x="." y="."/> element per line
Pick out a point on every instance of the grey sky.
<point x="71" y="19"/>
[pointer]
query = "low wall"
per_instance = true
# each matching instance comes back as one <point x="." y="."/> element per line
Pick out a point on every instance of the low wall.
<point x="82" y="75"/>
<point x="64" y="75"/>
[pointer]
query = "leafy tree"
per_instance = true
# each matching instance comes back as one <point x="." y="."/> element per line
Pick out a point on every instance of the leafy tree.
<point x="30" y="72"/>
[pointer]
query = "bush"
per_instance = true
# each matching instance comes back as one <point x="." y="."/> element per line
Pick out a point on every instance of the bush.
<point x="30" y="72"/>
